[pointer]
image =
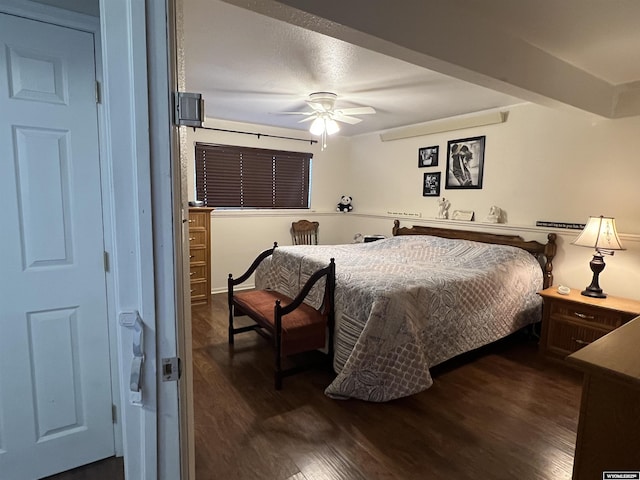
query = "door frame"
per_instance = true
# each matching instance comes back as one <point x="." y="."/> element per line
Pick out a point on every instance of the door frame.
<point x="173" y="41"/>
<point x="176" y="449"/>
<point x="87" y="23"/>
<point x="146" y="213"/>
<point x="127" y="142"/>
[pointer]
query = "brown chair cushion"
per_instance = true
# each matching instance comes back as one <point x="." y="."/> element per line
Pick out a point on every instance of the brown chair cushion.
<point x="303" y="329"/>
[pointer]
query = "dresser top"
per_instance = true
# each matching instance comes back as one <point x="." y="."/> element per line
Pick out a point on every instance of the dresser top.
<point x="201" y="209"/>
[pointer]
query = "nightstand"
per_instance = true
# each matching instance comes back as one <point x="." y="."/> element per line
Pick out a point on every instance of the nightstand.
<point x="570" y="322"/>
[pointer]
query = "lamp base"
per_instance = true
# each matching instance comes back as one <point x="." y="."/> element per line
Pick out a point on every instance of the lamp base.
<point x="594" y="290"/>
<point x="595" y="293"/>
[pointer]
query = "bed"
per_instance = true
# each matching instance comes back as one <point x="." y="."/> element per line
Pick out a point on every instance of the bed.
<point x="409" y="302"/>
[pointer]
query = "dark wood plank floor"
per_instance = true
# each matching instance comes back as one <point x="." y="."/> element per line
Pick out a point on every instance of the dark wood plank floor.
<point x="108" y="469"/>
<point x="502" y="413"/>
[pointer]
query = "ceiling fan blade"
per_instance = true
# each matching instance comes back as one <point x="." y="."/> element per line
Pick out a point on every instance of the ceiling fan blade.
<point x="317" y="106"/>
<point x="343" y="118"/>
<point x="355" y="111"/>
<point x="295" y="113"/>
<point x="308" y="119"/>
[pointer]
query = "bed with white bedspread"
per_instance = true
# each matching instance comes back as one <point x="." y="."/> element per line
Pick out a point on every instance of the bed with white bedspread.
<point x="407" y="303"/>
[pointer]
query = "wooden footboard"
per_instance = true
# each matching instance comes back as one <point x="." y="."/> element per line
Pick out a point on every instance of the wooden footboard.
<point x="544" y="252"/>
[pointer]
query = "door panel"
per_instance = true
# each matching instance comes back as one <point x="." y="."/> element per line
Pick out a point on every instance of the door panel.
<point x="55" y="393"/>
<point x="42" y="153"/>
<point x="58" y="403"/>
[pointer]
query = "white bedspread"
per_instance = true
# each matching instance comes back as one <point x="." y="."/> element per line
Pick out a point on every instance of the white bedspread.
<point x="407" y="303"/>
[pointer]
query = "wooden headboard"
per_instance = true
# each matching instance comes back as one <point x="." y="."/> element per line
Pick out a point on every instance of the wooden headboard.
<point x="544" y="252"/>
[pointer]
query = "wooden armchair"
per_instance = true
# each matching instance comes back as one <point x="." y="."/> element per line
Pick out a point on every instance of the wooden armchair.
<point x="304" y="232"/>
<point x="292" y="326"/>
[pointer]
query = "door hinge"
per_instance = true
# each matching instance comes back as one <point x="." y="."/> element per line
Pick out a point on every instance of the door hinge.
<point x="98" y="93"/>
<point x="114" y="413"/>
<point x="106" y="261"/>
<point x="188" y="109"/>
<point x="171" y="369"/>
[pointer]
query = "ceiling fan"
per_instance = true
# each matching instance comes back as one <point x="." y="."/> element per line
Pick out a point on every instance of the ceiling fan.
<point x="324" y="116"/>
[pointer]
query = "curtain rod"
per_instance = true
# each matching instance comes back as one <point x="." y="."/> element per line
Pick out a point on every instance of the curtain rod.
<point x="310" y="141"/>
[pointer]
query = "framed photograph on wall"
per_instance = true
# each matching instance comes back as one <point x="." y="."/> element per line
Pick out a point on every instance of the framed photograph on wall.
<point x="431" y="185"/>
<point x="465" y="162"/>
<point x="428" y="156"/>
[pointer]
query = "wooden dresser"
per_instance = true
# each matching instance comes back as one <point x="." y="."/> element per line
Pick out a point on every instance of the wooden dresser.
<point x="200" y="254"/>
<point x="609" y="424"/>
<point x="570" y="322"/>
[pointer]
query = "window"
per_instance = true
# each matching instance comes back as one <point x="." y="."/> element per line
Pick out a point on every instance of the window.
<point x="243" y="177"/>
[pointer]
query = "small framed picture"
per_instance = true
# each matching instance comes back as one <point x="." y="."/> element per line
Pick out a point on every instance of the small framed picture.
<point x="465" y="162"/>
<point x="431" y="185"/>
<point x="428" y="156"/>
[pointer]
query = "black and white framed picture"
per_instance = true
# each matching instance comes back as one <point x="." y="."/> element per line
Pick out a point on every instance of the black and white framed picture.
<point x="431" y="185"/>
<point x="428" y="156"/>
<point x="465" y="162"/>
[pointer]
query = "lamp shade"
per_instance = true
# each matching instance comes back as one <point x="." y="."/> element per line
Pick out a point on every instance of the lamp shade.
<point x="600" y="233"/>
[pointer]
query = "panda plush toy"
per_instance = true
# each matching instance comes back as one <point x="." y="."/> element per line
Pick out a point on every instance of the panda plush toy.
<point x="345" y="204"/>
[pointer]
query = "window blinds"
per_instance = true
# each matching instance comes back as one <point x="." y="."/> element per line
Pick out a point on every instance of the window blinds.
<point x="243" y="177"/>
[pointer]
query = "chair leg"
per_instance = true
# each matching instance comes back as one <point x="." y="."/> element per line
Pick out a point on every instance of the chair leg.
<point x="278" y="358"/>
<point x="230" y="324"/>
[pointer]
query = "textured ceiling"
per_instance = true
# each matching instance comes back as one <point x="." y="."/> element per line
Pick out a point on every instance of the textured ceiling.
<point x="250" y="66"/>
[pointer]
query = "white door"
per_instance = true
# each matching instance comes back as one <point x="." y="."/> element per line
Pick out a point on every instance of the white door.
<point x="55" y="395"/>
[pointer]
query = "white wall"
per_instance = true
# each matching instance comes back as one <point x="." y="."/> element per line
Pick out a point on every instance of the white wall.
<point x="542" y="164"/>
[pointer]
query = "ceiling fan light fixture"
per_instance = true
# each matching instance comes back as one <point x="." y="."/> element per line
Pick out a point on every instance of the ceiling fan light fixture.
<point x="324" y="119"/>
<point x="317" y="126"/>
<point x="331" y="126"/>
<point x="324" y="124"/>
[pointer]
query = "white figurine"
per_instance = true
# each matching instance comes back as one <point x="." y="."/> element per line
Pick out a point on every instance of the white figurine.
<point x="494" y="214"/>
<point x="443" y="211"/>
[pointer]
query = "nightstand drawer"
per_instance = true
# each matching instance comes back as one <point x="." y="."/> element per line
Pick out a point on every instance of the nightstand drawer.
<point x="586" y="314"/>
<point x="565" y="338"/>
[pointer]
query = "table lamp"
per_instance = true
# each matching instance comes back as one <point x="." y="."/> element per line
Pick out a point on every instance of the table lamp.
<point x="599" y="233"/>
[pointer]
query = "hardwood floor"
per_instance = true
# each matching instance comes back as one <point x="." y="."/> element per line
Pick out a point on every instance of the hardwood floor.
<point x="500" y="413"/>
<point x="108" y="469"/>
